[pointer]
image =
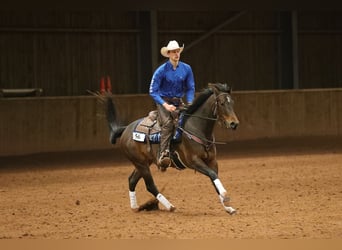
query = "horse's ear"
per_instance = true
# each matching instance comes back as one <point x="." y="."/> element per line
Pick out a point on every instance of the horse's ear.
<point x="228" y="88"/>
<point x="212" y="87"/>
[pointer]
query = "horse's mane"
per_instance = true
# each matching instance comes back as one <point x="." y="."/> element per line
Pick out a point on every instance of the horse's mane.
<point x="205" y="94"/>
<point x="199" y="101"/>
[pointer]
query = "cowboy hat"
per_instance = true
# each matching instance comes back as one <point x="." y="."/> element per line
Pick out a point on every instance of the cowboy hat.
<point x="172" y="45"/>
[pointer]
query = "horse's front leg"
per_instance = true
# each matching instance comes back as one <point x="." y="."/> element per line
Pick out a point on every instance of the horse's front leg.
<point x="211" y="172"/>
<point x="223" y="196"/>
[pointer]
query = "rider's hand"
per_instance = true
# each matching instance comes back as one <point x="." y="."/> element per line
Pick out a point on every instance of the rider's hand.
<point x="169" y="107"/>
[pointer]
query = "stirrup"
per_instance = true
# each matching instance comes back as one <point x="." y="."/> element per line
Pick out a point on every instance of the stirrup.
<point x="164" y="160"/>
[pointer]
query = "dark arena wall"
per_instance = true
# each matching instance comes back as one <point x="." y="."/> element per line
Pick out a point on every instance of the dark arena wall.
<point x="51" y="124"/>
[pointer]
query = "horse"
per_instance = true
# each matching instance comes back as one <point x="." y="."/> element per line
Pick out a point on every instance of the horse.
<point x="193" y="145"/>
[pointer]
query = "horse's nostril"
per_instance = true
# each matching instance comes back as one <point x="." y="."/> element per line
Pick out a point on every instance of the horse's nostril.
<point x="233" y="125"/>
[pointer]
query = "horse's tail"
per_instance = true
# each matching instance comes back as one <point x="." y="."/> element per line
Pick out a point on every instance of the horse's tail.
<point x="115" y="129"/>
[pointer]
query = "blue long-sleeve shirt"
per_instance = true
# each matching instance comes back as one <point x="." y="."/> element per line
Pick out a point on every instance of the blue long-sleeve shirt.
<point x="167" y="82"/>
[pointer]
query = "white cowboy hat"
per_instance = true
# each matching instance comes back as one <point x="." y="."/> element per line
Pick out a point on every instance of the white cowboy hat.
<point x="172" y="45"/>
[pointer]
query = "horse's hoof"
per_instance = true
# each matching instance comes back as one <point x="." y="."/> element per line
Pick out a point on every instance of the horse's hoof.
<point x="230" y="210"/>
<point x="172" y="209"/>
<point x="162" y="169"/>
<point x="136" y="210"/>
<point x="150" y="205"/>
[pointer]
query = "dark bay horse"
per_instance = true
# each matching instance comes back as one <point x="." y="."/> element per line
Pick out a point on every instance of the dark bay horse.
<point x="195" y="147"/>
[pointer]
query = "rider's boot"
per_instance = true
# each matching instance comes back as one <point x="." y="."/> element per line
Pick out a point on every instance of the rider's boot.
<point x="164" y="160"/>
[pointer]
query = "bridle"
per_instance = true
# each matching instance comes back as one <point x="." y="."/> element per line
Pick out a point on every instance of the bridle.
<point x="215" y="111"/>
<point x="227" y="98"/>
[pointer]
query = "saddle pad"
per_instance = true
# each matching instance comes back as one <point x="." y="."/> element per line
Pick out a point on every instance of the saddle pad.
<point x="148" y="125"/>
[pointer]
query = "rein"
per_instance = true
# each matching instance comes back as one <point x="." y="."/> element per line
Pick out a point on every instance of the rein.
<point x="202" y="117"/>
<point x="204" y="141"/>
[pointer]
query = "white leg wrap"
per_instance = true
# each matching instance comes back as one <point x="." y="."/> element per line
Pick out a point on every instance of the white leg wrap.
<point x="161" y="198"/>
<point x="220" y="187"/>
<point x="133" y="200"/>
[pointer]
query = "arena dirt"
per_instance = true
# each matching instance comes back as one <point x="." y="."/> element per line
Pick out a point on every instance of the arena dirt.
<point x="283" y="189"/>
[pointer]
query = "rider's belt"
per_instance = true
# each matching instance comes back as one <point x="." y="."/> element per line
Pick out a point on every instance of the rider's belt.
<point x="173" y="100"/>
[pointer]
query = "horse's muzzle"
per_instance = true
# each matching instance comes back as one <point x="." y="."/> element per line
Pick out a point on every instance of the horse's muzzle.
<point x="233" y="125"/>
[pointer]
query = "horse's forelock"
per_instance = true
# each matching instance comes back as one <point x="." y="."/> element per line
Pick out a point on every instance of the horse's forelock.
<point x="221" y="87"/>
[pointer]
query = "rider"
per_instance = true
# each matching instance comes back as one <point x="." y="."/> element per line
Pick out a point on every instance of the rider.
<point x="170" y="82"/>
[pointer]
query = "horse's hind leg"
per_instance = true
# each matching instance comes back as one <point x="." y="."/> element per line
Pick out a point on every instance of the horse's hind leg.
<point x="145" y="173"/>
<point x="151" y="187"/>
<point x="133" y="180"/>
